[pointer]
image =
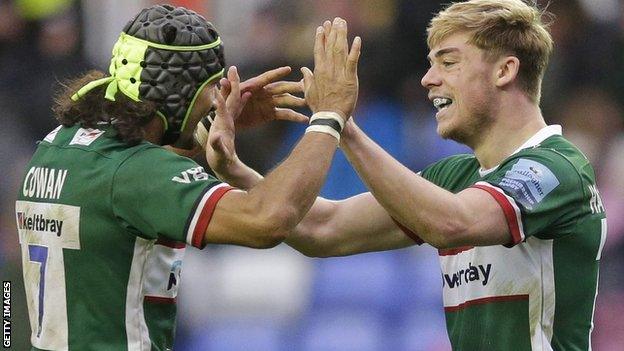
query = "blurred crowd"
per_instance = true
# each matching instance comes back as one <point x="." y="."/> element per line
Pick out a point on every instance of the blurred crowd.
<point x="241" y="299"/>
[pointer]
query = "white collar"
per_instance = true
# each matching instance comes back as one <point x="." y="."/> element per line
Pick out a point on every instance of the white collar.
<point x="536" y="139"/>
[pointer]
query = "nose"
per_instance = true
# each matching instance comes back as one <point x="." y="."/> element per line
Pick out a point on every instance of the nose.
<point x="430" y="79"/>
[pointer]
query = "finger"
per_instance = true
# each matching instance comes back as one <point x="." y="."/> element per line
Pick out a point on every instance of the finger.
<point x="354" y="56"/>
<point x="287" y="100"/>
<point x="331" y="40"/>
<point x="327" y="27"/>
<point x="283" y="87"/>
<point x="285" y="114"/>
<point x="265" y="78"/>
<point x="308" y="77"/>
<point x="234" y="78"/>
<point x="222" y="115"/>
<point x="226" y="87"/>
<point x="223" y="119"/>
<point x="342" y="45"/>
<point x="224" y="92"/>
<point x="319" y="48"/>
<point x="235" y="82"/>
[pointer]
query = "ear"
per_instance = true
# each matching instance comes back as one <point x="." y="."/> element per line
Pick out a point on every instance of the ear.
<point x="507" y="69"/>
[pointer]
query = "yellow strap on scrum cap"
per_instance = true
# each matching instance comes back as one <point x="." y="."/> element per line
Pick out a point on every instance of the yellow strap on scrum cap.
<point x="126" y="66"/>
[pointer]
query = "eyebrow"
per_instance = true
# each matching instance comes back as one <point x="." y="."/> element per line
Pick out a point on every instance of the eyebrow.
<point x="442" y="52"/>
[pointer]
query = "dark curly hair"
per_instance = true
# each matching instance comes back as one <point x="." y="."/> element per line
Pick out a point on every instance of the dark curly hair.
<point x="127" y="116"/>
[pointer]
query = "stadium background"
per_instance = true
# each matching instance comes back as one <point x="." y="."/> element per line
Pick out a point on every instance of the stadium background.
<point x="240" y="299"/>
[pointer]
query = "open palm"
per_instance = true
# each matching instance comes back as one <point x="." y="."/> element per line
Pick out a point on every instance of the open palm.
<point x="271" y="99"/>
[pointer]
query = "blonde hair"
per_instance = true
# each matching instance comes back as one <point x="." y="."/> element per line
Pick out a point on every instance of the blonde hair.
<point x="500" y="27"/>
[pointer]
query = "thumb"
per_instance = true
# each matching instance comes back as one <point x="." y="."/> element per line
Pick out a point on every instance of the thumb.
<point x="223" y="117"/>
<point x="308" y="76"/>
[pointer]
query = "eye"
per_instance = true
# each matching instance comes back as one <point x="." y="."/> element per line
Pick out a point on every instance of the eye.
<point x="447" y="63"/>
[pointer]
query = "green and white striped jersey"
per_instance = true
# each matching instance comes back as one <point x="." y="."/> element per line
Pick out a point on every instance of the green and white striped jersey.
<point x="103" y="228"/>
<point x="538" y="292"/>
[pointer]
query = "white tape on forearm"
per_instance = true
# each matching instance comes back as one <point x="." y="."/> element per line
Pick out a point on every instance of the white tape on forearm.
<point x="324" y="129"/>
<point x="329" y="115"/>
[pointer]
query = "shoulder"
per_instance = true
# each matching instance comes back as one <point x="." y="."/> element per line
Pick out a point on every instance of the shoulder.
<point x="102" y="140"/>
<point x="146" y="153"/>
<point x="538" y="174"/>
<point x="455" y="164"/>
<point x="149" y="159"/>
<point x="555" y="157"/>
<point x="451" y="161"/>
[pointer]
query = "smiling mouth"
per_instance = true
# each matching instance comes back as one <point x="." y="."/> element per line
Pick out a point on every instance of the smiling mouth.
<point x="441" y="103"/>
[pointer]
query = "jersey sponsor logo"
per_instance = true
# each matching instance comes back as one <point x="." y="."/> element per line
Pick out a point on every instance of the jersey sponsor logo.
<point x="191" y="174"/>
<point x="86" y="136"/>
<point x="44" y="267"/>
<point x="528" y="182"/>
<point x="174" y="274"/>
<point x="595" y="203"/>
<point x="478" y="273"/>
<point x="50" y="137"/>
<point x="38" y="222"/>
<point x="45" y="183"/>
<point x="162" y="273"/>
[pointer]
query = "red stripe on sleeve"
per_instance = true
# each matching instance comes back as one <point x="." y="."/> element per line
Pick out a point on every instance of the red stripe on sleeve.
<point x="409" y="233"/>
<point x="170" y="243"/>
<point x="508" y="210"/>
<point x="206" y="215"/>
<point x="454" y="251"/>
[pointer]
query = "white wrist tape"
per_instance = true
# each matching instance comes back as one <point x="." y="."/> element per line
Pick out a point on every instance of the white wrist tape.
<point x="324" y="129"/>
<point x="326" y="122"/>
<point x="328" y="115"/>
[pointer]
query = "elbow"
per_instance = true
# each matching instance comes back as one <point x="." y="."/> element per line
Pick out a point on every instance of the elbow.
<point x="313" y="239"/>
<point x="267" y="238"/>
<point x="448" y="235"/>
<point x="267" y="242"/>
<point x="274" y="227"/>
<point x="317" y="250"/>
<point x="311" y="253"/>
<point x="323" y="246"/>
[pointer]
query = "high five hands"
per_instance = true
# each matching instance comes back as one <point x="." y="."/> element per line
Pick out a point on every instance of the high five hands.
<point x="334" y="84"/>
<point x="247" y="104"/>
<point x="332" y="87"/>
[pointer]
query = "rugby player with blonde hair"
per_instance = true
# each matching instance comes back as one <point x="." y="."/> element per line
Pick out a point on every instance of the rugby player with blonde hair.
<point x="519" y="224"/>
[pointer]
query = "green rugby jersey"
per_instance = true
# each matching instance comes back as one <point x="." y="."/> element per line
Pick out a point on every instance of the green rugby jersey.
<point x="103" y="228"/>
<point x="538" y="292"/>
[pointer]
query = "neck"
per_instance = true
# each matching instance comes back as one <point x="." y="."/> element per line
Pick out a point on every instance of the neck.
<point x="154" y="131"/>
<point x="511" y="128"/>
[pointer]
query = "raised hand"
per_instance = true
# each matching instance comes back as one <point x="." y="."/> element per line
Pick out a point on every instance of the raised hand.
<point x="334" y="84"/>
<point x="270" y="99"/>
<point x="221" y="151"/>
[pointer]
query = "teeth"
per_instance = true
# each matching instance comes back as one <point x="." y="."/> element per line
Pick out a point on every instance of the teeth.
<point x="440" y="103"/>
